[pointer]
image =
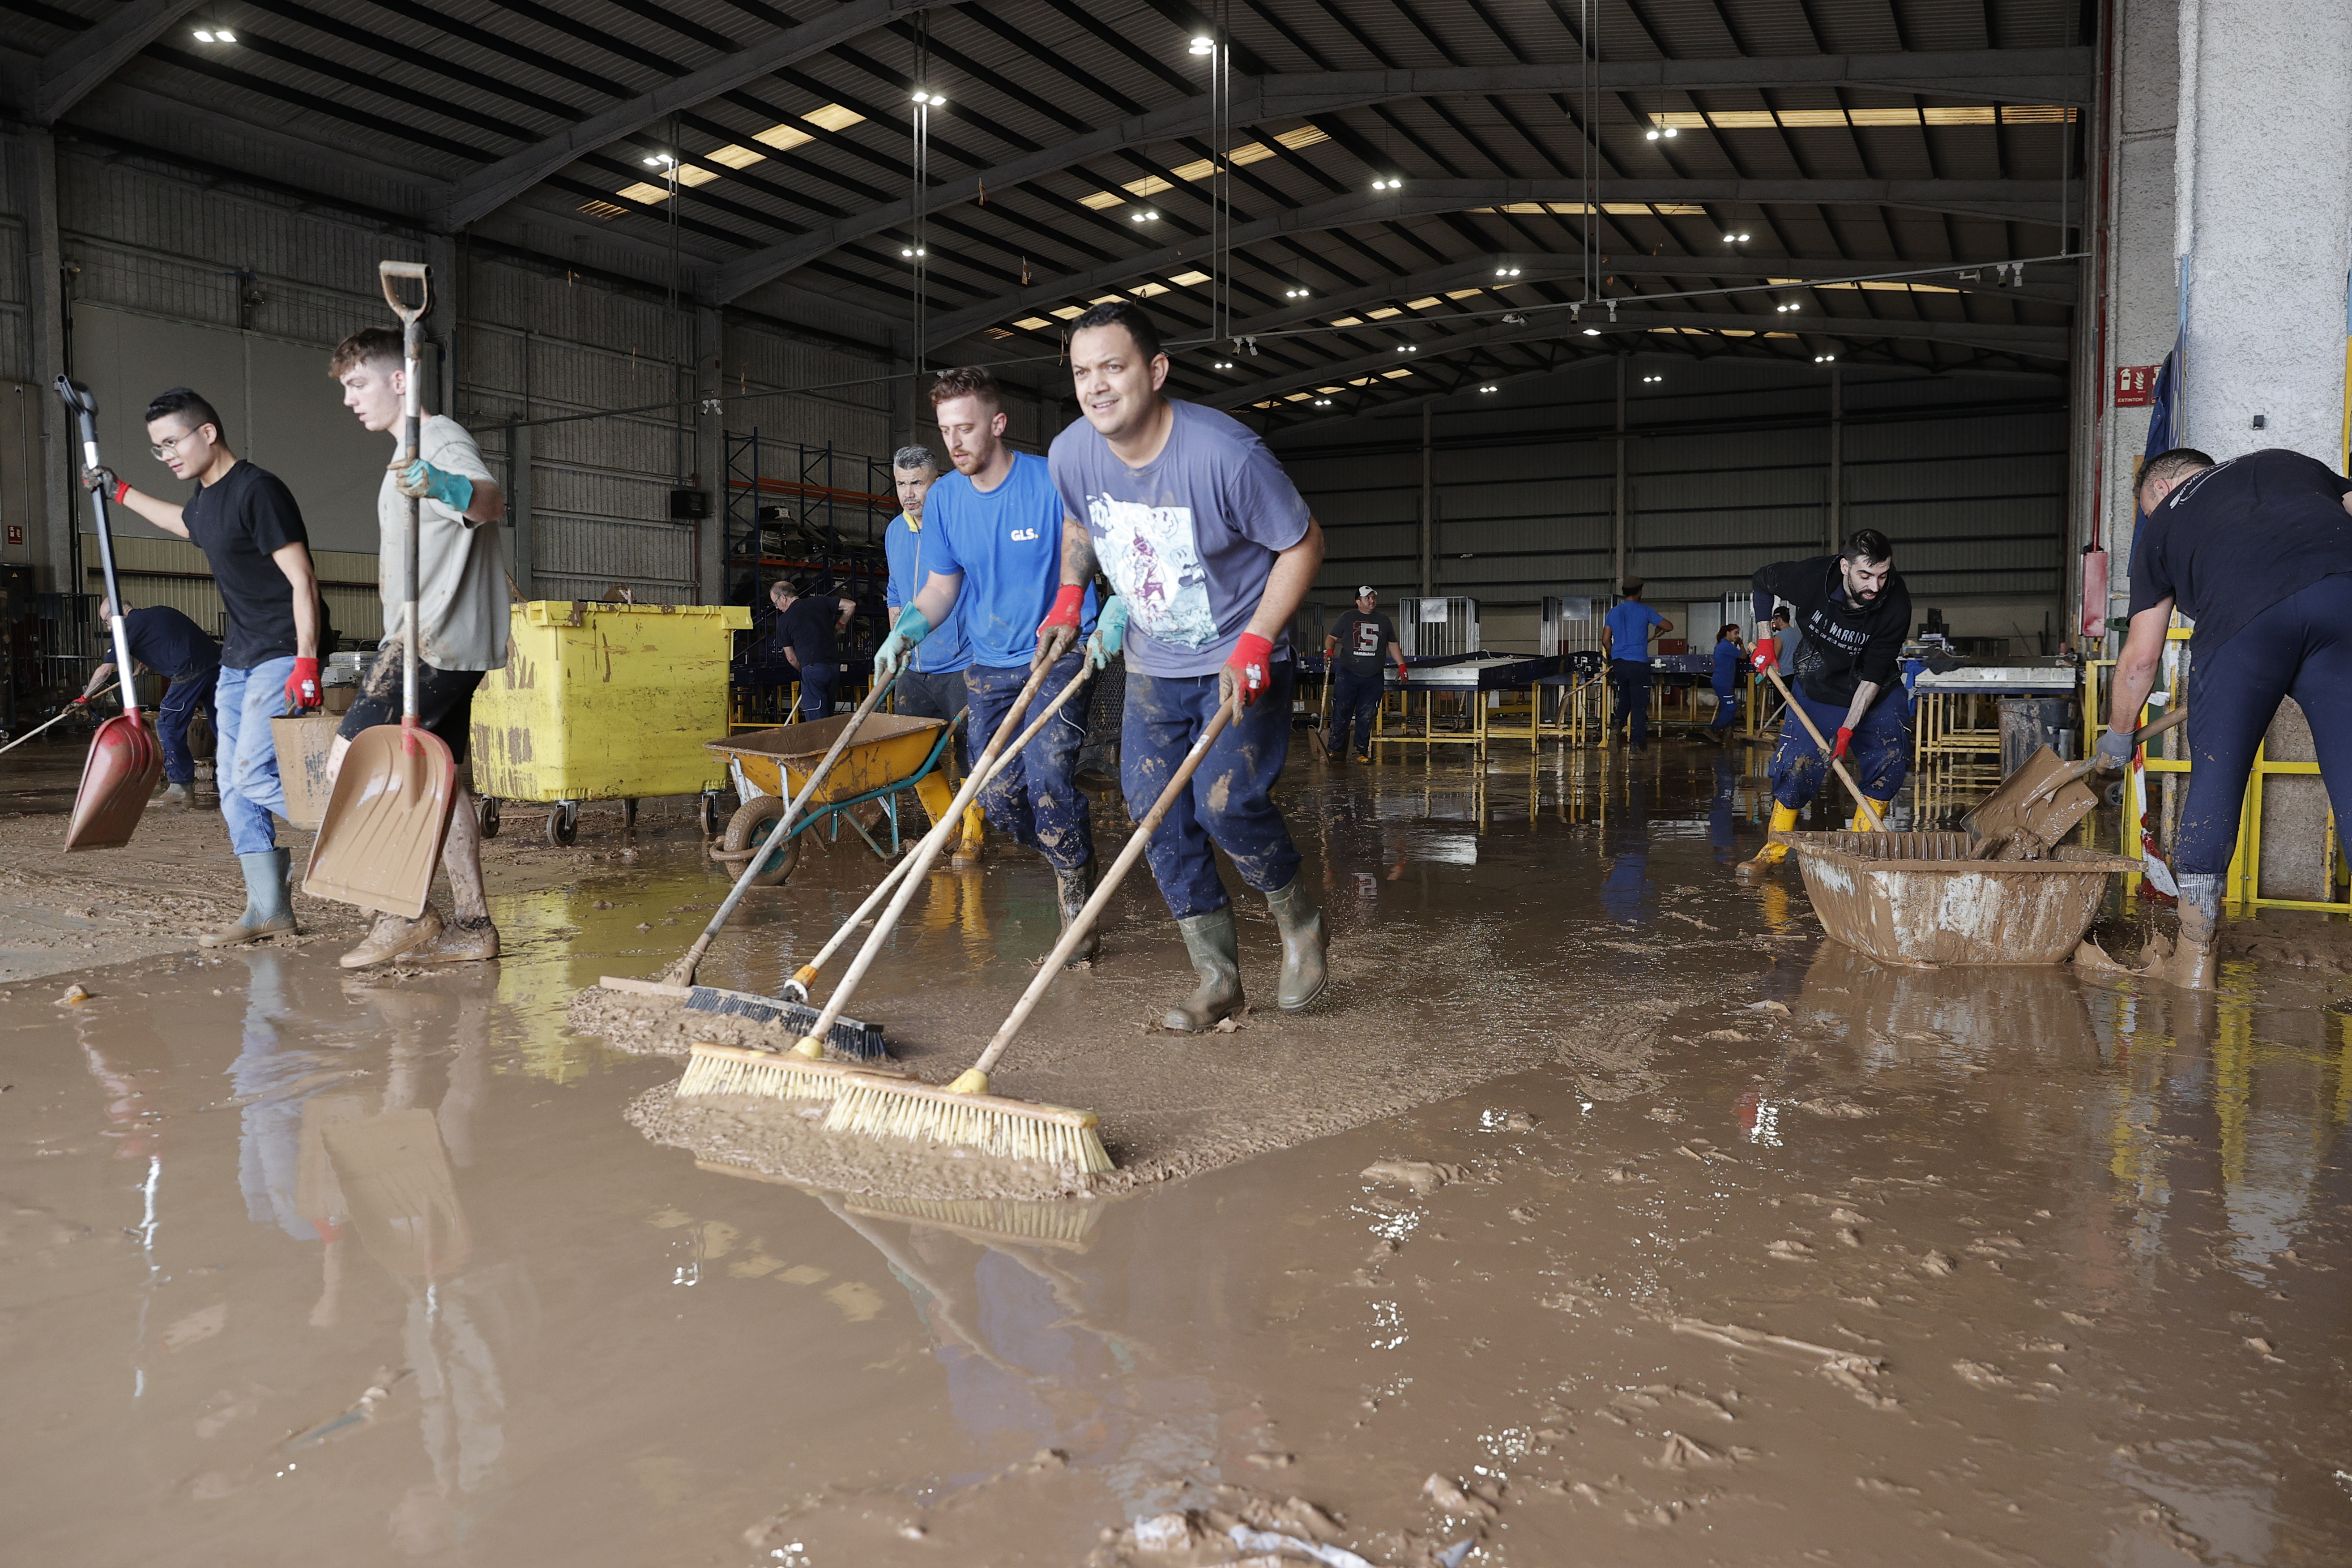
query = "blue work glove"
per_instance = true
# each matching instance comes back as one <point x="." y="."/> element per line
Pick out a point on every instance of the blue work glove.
<point x="421" y="481"/>
<point x="913" y="628"/>
<point x="1110" y="633"/>
<point x="2114" y="753"/>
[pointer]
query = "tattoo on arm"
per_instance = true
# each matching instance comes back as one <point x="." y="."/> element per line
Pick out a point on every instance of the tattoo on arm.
<point x="1078" y="552"/>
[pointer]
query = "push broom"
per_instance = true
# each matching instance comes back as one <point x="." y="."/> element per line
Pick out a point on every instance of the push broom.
<point x="801" y="1073"/>
<point x="965" y="1113"/>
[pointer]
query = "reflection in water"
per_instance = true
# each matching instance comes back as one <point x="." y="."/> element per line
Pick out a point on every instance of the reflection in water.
<point x="1627" y="893"/>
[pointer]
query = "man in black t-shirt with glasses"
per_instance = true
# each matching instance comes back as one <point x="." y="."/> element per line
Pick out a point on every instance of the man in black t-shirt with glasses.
<point x="245" y="521"/>
<point x="1356" y="651"/>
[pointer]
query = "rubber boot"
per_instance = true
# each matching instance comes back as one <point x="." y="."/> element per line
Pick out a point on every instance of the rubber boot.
<point x="1784" y="818"/>
<point x="268" y="910"/>
<point x="974" y="838"/>
<point x="176" y="794"/>
<point x="2189" y="961"/>
<point x="1072" y="889"/>
<point x="394" y="937"/>
<point x="1861" y="824"/>
<point x="1304" y="938"/>
<point x="1214" y="947"/>
<point x="460" y="942"/>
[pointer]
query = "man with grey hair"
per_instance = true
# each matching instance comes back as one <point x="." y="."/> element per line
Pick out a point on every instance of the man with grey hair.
<point x="932" y="686"/>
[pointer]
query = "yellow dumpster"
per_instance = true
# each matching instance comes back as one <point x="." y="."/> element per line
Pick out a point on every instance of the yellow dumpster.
<point x="605" y="702"/>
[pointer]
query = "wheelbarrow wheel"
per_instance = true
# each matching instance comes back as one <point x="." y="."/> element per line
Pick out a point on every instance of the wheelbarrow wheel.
<point x="750" y="828"/>
<point x="489" y="818"/>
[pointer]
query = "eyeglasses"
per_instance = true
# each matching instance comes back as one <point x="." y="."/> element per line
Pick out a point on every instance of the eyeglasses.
<point x="169" y="446"/>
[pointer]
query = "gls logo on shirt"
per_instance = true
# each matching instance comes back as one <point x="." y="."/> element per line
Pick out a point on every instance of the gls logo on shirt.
<point x="1021" y="535"/>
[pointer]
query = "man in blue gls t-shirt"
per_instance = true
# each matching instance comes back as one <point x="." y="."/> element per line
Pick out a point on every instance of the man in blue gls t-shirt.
<point x="996" y="526"/>
<point x="1625" y="637"/>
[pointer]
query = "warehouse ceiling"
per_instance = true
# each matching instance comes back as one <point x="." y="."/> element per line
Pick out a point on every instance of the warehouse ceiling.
<point x="1418" y="196"/>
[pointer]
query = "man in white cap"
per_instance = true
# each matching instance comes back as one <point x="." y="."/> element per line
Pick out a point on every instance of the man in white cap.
<point x="1356" y="652"/>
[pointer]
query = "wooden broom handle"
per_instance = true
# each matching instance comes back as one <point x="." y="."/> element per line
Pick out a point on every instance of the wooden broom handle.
<point x="1868" y="810"/>
<point x="1120" y="868"/>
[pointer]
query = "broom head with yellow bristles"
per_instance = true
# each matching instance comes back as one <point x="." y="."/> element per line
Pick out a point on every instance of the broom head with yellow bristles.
<point x="988" y="1124"/>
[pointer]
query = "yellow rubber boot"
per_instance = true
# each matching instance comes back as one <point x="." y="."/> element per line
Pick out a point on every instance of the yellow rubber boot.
<point x="975" y="836"/>
<point x="1784" y="818"/>
<point x="1862" y="824"/>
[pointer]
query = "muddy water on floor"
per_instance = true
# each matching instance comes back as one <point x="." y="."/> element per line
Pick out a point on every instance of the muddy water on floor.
<point x="1849" y="1266"/>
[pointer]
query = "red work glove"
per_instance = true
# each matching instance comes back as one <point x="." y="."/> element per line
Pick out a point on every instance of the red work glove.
<point x="1764" y="656"/>
<point x="302" y="685"/>
<point x="1845" y="738"/>
<point x="1058" y="632"/>
<point x="1404" y="676"/>
<point x="1250" y="669"/>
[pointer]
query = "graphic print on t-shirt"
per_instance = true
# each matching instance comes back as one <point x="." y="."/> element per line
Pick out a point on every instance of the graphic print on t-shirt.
<point x="1149" y="552"/>
<point x="1368" y="640"/>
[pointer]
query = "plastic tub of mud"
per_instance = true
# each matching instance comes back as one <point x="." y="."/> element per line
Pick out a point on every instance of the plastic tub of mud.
<point x="1919" y="899"/>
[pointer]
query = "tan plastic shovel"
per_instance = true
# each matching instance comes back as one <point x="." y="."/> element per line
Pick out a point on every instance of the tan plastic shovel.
<point x="380" y="841"/>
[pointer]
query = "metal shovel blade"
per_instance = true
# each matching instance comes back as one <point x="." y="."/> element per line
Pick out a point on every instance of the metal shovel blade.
<point x="2035" y="806"/>
<point x="380" y="841"/>
<point x="117" y="779"/>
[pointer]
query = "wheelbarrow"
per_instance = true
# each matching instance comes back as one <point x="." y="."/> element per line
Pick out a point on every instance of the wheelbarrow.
<point x="769" y="767"/>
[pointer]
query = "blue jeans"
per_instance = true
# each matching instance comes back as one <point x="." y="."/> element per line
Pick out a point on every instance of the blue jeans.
<point x="246" y="762"/>
<point x="2299" y="647"/>
<point x="1229" y="803"/>
<point x="1631" y="679"/>
<point x="1355" y="709"/>
<point x="1036" y="798"/>
<point x="187" y="694"/>
<point x="1879" y="759"/>
<point x="816" y="690"/>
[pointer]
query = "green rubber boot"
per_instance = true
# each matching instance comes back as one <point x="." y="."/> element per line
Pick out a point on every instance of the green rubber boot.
<point x="1304" y="938"/>
<point x="1214" y="947"/>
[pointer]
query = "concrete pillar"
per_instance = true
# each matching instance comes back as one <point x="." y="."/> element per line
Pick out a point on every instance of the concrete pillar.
<point x="2138" y="311"/>
<point x="1428" y="508"/>
<point x="1619" y="507"/>
<point x="35" y="181"/>
<point x="710" y="453"/>
<point x="2264" y="181"/>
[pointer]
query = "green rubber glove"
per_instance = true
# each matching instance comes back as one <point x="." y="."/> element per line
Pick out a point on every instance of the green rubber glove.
<point x="913" y="628"/>
<point x="1110" y="633"/>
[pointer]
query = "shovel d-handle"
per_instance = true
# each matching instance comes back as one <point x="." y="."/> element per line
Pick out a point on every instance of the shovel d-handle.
<point x="85" y="408"/>
<point x="392" y="274"/>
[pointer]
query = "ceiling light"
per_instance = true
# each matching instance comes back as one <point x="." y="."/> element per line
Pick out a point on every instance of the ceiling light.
<point x="1389" y="183"/>
<point x="1652" y="134"/>
<point x="1408" y="348"/>
<point x="1507" y="272"/>
<point x="1299" y="293"/>
<point x="1205" y="45"/>
<point x="1141" y="216"/>
<point x="1593" y="331"/>
<point x="1647" y="379"/>
<point x="1734" y="238"/>
<point x="1825" y="359"/>
<point x="1490" y="387"/>
<point x="1672" y="133"/>
<point x="660" y="161"/>
<point x="204" y="34"/>
<point x="1322" y="403"/>
<point x="925" y="95"/>
<point x="1224" y="364"/>
<point x="913" y="251"/>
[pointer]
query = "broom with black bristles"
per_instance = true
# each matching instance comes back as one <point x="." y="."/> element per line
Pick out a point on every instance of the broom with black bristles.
<point x="801" y="1073"/>
<point x="964" y="1113"/>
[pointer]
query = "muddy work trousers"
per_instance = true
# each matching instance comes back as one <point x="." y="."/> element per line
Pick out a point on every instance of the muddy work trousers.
<point x="2299" y="647"/>
<point x="1355" y="709"/>
<point x="1879" y="758"/>
<point x="189" y="695"/>
<point x="1035" y="798"/>
<point x="1628" y="683"/>
<point x="1229" y="804"/>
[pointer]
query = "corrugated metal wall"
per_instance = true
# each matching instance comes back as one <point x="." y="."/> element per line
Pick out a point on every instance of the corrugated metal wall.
<point x="149" y="239"/>
<point x="1727" y="466"/>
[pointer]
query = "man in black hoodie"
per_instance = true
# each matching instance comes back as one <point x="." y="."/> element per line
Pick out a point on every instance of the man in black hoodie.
<point x="1853" y="612"/>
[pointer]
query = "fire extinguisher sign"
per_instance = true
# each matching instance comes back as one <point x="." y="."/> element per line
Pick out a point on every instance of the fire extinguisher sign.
<point x="2134" y="385"/>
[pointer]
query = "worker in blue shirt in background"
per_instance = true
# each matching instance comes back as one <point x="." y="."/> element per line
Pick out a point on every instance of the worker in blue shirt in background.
<point x="998" y="523"/>
<point x="1728" y="656"/>
<point x="1625" y="635"/>
<point x="167" y="642"/>
<point x="931" y="684"/>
